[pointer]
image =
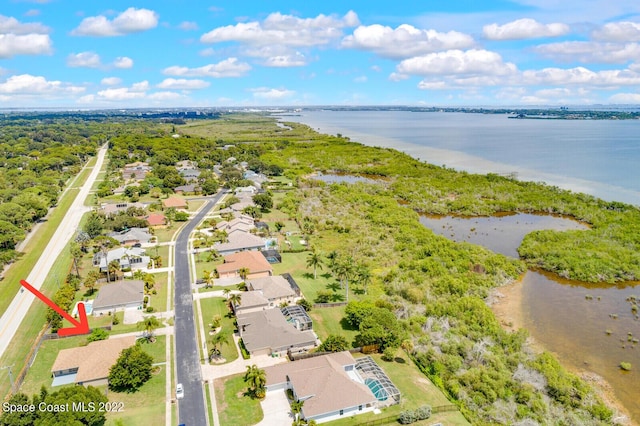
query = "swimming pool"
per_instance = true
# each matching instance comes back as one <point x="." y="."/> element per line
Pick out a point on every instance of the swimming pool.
<point x="377" y="389"/>
<point x="88" y="308"/>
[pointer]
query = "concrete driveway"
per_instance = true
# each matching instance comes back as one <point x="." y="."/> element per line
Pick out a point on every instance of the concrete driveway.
<point x="276" y="409"/>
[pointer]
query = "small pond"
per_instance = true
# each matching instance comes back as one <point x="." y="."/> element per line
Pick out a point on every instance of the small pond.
<point x="586" y="325"/>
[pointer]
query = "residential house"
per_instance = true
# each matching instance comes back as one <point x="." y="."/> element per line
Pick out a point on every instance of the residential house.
<point x="132" y="236"/>
<point x="329" y="385"/>
<point x="119" y="296"/>
<point x="175" y="202"/>
<point x="190" y="175"/>
<point x="239" y="240"/>
<point x="252" y="260"/>
<point x="191" y="188"/>
<point x="264" y="293"/>
<point x="136" y="171"/>
<point x="267" y="332"/>
<point x="258" y="179"/>
<point x="244" y="223"/>
<point x="114" y="208"/>
<point x="156" y="220"/>
<point x="128" y="258"/>
<point x="246" y="191"/>
<point x="90" y="364"/>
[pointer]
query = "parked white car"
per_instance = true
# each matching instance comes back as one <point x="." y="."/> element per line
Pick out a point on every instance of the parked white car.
<point x="179" y="391"/>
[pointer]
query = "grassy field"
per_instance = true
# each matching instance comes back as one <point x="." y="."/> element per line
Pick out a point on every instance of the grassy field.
<point x="217" y="306"/>
<point x="330" y="321"/>
<point x="234" y="408"/>
<point x="165" y="234"/>
<point x="416" y="390"/>
<point x="296" y="265"/>
<point x="159" y="301"/>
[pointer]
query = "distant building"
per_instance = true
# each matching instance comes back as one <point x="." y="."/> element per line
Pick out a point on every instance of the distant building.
<point x="175" y="202"/>
<point x="132" y="236"/>
<point x="128" y="258"/>
<point x="252" y="260"/>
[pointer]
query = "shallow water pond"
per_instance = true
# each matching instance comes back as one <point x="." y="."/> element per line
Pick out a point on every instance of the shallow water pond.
<point x="588" y="326"/>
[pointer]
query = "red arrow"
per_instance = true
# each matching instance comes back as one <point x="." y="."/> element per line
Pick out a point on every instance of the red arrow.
<point x="79" y="327"/>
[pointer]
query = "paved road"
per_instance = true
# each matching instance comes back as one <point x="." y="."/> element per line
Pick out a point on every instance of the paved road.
<point x="192" y="408"/>
<point x="18" y="308"/>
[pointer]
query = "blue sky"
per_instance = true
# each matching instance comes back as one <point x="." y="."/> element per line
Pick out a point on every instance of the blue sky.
<point x="57" y="53"/>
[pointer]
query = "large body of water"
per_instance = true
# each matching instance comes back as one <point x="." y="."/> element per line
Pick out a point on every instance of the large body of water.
<point x="598" y="157"/>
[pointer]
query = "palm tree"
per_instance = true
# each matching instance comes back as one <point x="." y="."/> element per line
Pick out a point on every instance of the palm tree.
<point x="235" y="299"/>
<point x="112" y="268"/>
<point x="332" y="257"/>
<point x="296" y="408"/>
<point x="226" y="292"/>
<point x="345" y="271"/>
<point x="148" y="325"/>
<point x="208" y="278"/>
<point x="76" y="254"/>
<point x="364" y="276"/>
<point x="217" y="340"/>
<point x="314" y="259"/>
<point x="244" y="272"/>
<point x="256" y="379"/>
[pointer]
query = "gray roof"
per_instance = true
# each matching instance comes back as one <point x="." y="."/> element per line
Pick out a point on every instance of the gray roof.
<point x="269" y="329"/>
<point x="119" y="294"/>
<point x="240" y="240"/>
<point x="133" y="234"/>
<point x="273" y="287"/>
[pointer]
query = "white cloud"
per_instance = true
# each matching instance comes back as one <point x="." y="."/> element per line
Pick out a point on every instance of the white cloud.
<point x="27" y="84"/>
<point x="524" y="29"/>
<point x="360" y="79"/>
<point x="188" y="26"/>
<point x="432" y="85"/>
<point x="182" y="84"/>
<point x="404" y="41"/>
<point x="284" y="30"/>
<point x="589" y="51"/>
<point x="84" y="60"/>
<point x="29" y="44"/>
<point x="457" y="62"/>
<point x="271" y="93"/>
<point x="111" y="81"/>
<point x="580" y="75"/>
<point x="131" y="20"/>
<point x="123" y="62"/>
<point x="120" y="94"/>
<point x="282" y="61"/>
<point x="376" y="68"/>
<point x="9" y="24"/>
<point x="229" y="67"/>
<point x="209" y="51"/>
<point x="165" y="96"/>
<point x="141" y="86"/>
<point x="32" y="12"/>
<point x="625" y="98"/>
<point x="618" y="31"/>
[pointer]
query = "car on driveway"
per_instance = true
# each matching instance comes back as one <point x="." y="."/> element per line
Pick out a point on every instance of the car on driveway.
<point x="179" y="391"/>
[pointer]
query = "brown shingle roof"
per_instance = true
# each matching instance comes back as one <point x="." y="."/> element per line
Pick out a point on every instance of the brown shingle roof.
<point x="94" y="360"/>
<point x="253" y="260"/>
<point x="119" y="294"/>
<point x="156" y="219"/>
<point x="176" y="202"/>
<point x="324" y="382"/>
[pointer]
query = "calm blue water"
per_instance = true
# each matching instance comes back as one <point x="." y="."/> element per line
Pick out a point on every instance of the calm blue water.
<point x="597" y="157"/>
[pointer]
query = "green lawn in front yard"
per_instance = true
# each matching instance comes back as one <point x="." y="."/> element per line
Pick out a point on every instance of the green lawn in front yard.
<point x="165" y="235"/>
<point x="144" y="407"/>
<point x="194" y="204"/>
<point x="203" y="265"/>
<point x="157" y="349"/>
<point x="234" y="408"/>
<point x="159" y="300"/>
<point x="218" y="306"/>
<point x="415" y="389"/>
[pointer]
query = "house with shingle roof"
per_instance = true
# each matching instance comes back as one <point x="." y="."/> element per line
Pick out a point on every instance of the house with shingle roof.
<point x="119" y="296"/>
<point x="328" y="385"/>
<point x="89" y="365"/>
<point x="132" y="236"/>
<point x="175" y="202"/>
<point x="268" y="332"/>
<point x="239" y="240"/>
<point x="252" y="260"/>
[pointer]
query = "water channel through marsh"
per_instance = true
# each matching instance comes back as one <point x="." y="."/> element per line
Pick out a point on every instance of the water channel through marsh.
<point x="588" y="326"/>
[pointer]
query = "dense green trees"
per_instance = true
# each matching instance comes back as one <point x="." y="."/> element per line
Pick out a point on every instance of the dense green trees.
<point x="131" y="371"/>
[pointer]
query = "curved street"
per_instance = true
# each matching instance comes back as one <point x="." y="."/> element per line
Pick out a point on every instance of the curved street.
<point x="192" y="408"/>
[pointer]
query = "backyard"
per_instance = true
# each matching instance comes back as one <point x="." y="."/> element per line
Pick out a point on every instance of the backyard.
<point x="234" y="407"/>
<point x="217" y="306"/>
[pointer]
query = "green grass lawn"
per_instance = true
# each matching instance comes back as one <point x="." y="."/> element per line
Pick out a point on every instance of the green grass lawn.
<point x="416" y="390"/>
<point x="165" y="234"/>
<point x="234" y="408"/>
<point x="121" y="327"/>
<point x="144" y="407"/>
<point x="328" y="321"/>
<point x="157" y="349"/>
<point x="194" y="204"/>
<point x="296" y="265"/>
<point x="218" y="306"/>
<point x="209" y="266"/>
<point x="159" y="300"/>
